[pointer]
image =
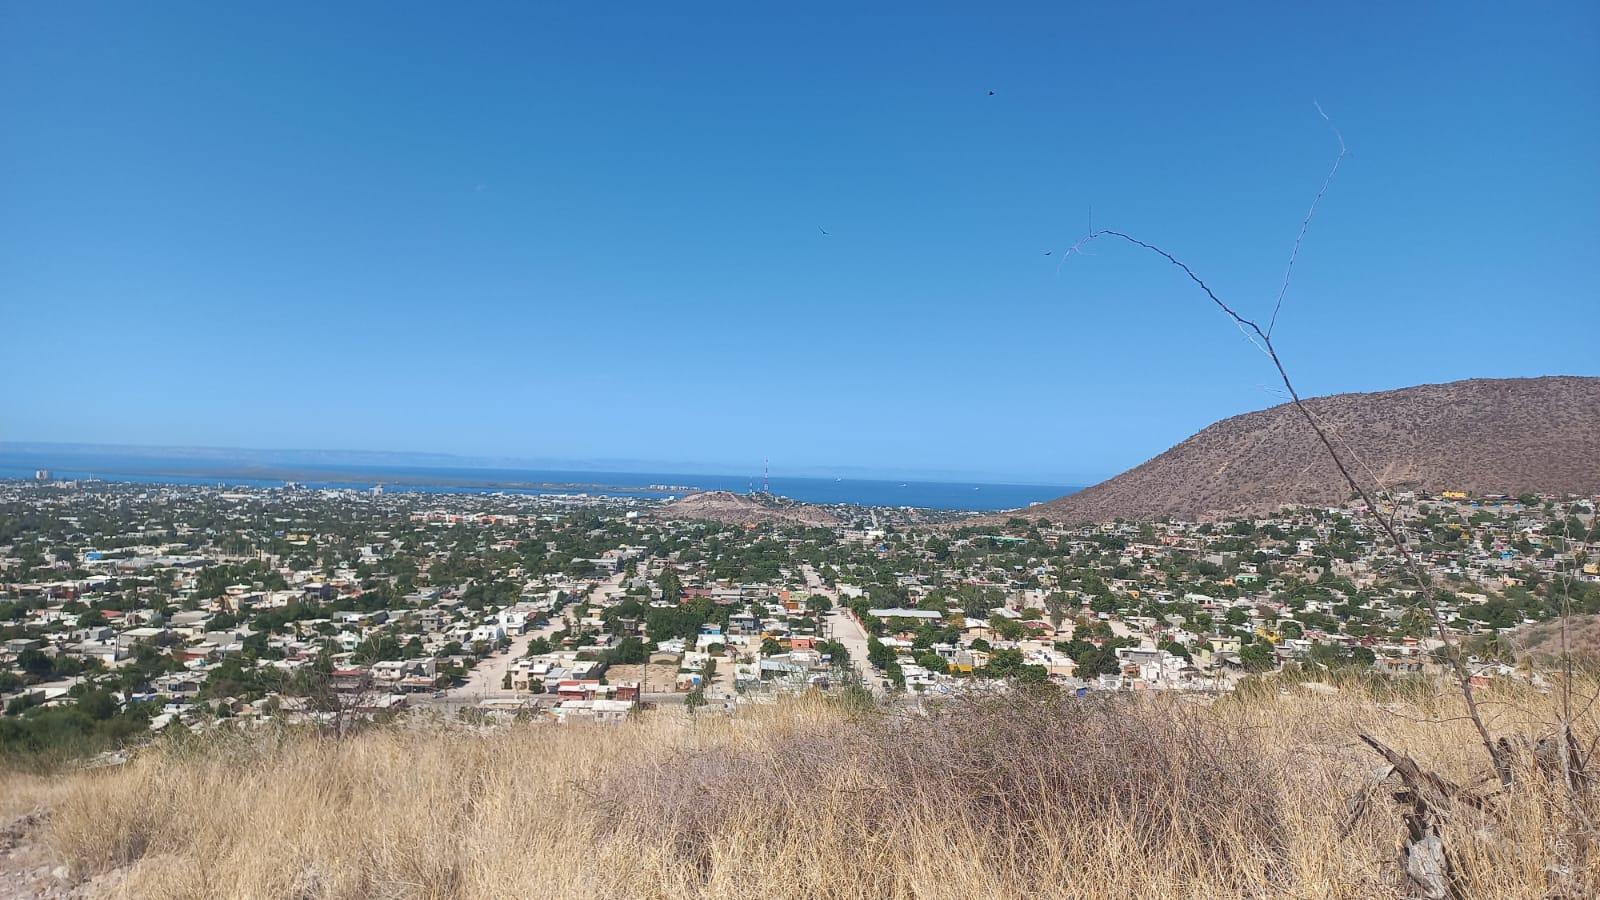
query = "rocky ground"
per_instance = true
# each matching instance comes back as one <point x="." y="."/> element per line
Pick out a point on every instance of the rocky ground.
<point x="30" y="870"/>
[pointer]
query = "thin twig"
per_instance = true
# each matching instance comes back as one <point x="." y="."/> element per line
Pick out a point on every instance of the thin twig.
<point x="1305" y="224"/>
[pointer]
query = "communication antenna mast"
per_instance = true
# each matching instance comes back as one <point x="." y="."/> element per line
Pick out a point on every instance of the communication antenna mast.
<point x="766" y="482"/>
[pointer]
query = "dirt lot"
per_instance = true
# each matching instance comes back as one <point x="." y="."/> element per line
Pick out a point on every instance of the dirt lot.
<point x="663" y="675"/>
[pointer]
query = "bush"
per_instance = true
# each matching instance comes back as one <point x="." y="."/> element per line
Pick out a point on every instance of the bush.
<point x="92" y="724"/>
<point x="1011" y="777"/>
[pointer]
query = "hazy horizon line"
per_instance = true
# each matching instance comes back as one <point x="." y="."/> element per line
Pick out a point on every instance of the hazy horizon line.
<point x="426" y="459"/>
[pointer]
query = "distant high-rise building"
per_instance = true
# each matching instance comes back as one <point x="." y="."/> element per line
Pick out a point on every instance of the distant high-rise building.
<point x="41" y="475"/>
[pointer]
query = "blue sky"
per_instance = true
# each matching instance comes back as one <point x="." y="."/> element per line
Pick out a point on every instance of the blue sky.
<point x="580" y="231"/>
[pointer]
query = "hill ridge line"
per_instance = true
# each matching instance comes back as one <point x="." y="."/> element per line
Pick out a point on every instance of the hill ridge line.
<point x="1480" y="435"/>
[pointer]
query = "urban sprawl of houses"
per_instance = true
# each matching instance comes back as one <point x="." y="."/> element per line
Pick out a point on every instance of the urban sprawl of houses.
<point x="127" y="609"/>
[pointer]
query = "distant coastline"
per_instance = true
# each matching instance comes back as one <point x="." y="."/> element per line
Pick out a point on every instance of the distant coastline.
<point x="80" y="463"/>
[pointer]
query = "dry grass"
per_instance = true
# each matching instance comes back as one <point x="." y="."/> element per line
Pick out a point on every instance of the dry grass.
<point x="999" y="796"/>
<point x="22" y="792"/>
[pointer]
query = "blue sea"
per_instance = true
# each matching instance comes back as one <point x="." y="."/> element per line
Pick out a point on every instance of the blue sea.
<point x="657" y="485"/>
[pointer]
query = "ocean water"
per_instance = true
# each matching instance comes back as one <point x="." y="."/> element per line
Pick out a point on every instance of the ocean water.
<point x="658" y="485"/>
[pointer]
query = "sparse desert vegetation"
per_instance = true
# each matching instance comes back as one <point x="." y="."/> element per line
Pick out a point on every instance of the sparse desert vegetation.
<point x="1543" y="642"/>
<point x="1013" y="794"/>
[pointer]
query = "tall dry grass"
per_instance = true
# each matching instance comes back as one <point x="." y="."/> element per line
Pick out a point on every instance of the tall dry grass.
<point x="1015" y="795"/>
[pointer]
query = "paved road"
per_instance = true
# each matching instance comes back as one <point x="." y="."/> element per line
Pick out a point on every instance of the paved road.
<point x="842" y="627"/>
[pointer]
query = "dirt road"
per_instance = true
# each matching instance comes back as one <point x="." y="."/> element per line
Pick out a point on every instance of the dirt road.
<point x="484" y="681"/>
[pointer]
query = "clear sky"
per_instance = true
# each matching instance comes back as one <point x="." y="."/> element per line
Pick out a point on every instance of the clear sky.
<point x="594" y="231"/>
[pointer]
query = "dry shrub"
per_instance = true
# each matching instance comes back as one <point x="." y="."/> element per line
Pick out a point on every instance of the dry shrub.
<point x="1020" y="781"/>
<point x="695" y="795"/>
<point x="1024" y="761"/>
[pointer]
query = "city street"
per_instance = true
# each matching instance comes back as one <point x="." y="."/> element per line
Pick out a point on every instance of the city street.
<point x="483" y="682"/>
<point x="842" y="627"/>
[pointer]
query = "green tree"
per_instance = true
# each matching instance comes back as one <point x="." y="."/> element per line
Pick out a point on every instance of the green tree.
<point x="671" y="587"/>
<point x="1006" y="629"/>
<point x="99" y="704"/>
<point x="1009" y="664"/>
<point x="628" y="651"/>
<point x="879" y="654"/>
<point x="838" y="655"/>
<point x="1258" y="656"/>
<point x="1094" y="661"/>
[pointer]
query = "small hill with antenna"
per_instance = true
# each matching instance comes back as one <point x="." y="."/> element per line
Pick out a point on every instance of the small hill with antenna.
<point x="747" y="509"/>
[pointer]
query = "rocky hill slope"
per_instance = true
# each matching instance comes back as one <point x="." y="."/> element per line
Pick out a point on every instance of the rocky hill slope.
<point x="1481" y="436"/>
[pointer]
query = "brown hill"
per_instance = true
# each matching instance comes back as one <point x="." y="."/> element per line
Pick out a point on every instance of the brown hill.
<point x="1541" y="643"/>
<point x="746" y="509"/>
<point x="1482" y="436"/>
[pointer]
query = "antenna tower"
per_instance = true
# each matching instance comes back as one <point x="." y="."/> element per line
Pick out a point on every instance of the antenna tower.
<point x="766" y="470"/>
